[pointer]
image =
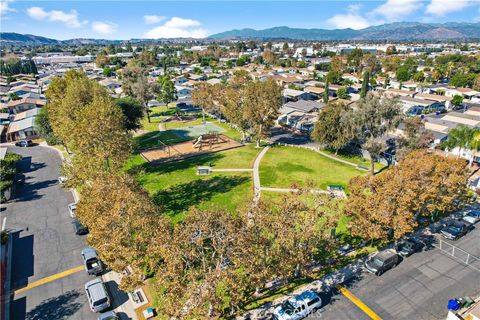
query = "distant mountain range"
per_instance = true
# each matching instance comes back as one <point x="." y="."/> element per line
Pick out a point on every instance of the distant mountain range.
<point x="29" y="39"/>
<point x="392" y="32"/>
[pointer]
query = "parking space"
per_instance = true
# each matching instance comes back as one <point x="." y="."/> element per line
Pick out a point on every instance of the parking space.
<point x="418" y="288"/>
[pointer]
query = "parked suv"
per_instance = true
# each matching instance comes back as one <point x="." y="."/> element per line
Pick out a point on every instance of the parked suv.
<point x="455" y="230"/>
<point x="382" y="261"/>
<point x="409" y="246"/>
<point x="92" y="264"/>
<point x="97" y="295"/>
<point x="298" y="307"/>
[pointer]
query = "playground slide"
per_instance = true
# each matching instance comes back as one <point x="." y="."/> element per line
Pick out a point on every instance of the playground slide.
<point x="198" y="143"/>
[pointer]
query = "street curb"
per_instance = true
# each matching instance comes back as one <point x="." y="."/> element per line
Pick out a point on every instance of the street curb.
<point x="8" y="276"/>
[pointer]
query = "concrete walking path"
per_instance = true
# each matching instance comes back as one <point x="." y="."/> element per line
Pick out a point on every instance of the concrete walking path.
<point x="335" y="193"/>
<point x="231" y="170"/>
<point x="256" y="174"/>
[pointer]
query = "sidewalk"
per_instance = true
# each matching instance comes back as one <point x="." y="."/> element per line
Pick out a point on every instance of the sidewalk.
<point x="120" y="300"/>
<point x="324" y="284"/>
<point x="5" y="279"/>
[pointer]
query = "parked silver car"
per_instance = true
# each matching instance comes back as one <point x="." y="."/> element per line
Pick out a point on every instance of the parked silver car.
<point x="97" y="295"/>
<point x="472" y="216"/>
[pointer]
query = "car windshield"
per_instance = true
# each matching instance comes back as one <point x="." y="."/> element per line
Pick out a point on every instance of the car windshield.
<point x="377" y="262"/>
<point x="99" y="302"/>
<point x="454" y="229"/>
<point x="288" y="307"/>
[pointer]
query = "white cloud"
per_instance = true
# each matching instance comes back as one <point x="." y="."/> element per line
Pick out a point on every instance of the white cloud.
<point x="352" y="19"/>
<point x="444" y="7"/>
<point x="5" y="7"/>
<point x="70" y="19"/>
<point x="152" y="19"/>
<point x="397" y="10"/>
<point x="105" y="27"/>
<point x="177" y="28"/>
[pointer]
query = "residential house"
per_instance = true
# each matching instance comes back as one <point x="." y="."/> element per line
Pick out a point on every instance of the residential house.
<point x="435" y="97"/>
<point x="183" y="92"/>
<point x="24" y="104"/>
<point x="23" y="126"/>
<point x="295" y="95"/>
<point x="300" y="115"/>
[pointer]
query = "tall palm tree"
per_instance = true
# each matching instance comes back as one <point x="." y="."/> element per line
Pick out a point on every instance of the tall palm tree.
<point x="474" y="144"/>
<point x="460" y="138"/>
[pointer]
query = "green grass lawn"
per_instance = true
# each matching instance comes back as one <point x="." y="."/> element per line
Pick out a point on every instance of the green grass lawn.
<point x="152" y="125"/>
<point x="176" y="187"/>
<point x="154" y="138"/>
<point x="357" y="159"/>
<point x="283" y="166"/>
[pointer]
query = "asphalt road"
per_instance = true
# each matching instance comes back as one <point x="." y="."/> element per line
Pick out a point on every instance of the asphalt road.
<point x="418" y="288"/>
<point x="44" y="243"/>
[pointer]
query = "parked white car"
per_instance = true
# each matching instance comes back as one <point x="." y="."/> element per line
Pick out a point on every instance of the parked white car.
<point x="72" y="207"/>
<point x="298" y="307"/>
<point x="472" y="216"/>
<point x="62" y="180"/>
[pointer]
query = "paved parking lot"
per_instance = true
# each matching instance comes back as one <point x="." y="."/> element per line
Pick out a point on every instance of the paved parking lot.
<point x="418" y="288"/>
<point x="44" y="243"/>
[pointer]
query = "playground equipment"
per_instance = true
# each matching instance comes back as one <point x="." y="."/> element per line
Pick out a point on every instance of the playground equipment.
<point x="209" y="139"/>
<point x="168" y="148"/>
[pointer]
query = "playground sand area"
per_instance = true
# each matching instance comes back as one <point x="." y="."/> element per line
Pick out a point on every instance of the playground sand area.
<point x="190" y="148"/>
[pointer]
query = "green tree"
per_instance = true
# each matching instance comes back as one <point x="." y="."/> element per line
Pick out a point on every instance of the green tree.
<point x="326" y="92"/>
<point x="262" y="101"/>
<point x="459" y="137"/>
<point x="44" y="128"/>
<point x="167" y="92"/>
<point x="402" y="74"/>
<point x="365" y="83"/>
<point x="457" y="100"/>
<point x="342" y="93"/>
<point x="332" y="127"/>
<point x="372" y="118"/>
<point x="132" y="110"/>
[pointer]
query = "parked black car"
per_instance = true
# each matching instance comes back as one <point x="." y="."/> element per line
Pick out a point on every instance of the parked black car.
<point x="24" y="143"/>
<point x="382" y="261"/>
<point x="409" y="246"/>
<point x="79" y="228"/>
<point x="455" y="230"/>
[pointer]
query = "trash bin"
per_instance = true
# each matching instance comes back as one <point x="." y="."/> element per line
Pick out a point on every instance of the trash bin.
<point x="453" y="304"/>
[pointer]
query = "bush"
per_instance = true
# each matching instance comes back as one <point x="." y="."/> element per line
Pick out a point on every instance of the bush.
<point x="7" y="174"/>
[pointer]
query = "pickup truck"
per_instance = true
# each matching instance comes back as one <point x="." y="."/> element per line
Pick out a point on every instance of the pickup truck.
<point x="92" y="264"/>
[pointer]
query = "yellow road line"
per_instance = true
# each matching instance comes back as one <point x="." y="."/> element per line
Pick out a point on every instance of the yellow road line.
<point x="51" y="278"/>
<point x="350" y="296"/>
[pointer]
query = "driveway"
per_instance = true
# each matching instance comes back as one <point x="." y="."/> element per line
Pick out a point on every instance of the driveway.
<point x="418" y="288"/>
<point x="44" y="243"/>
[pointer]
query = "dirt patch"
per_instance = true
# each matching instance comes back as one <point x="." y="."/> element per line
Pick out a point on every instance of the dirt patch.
<point x="188" y="149"/>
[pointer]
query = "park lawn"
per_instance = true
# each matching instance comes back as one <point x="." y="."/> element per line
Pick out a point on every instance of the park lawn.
<point x="238" y="158"/>
<point x="153" y="125"/>
<point x="177" y="188"/>
<point x="229" y="131"/>
<point x="182" y="124"/>
<point x="284" y="166"/>
<point x="357" y="159"/>
<point x="155" y="138"/>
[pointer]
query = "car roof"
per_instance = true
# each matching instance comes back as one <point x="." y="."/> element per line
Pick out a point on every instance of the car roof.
<point x="385" y="254"/>
<point x="89" y="253"/>
<point x="96" y="289"/>
<point x="307" y="295"/>
<point x="107" y="315"/>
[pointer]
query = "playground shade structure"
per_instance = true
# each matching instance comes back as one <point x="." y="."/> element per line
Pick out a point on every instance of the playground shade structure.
<point x="197" y="130"/>
<point x="187" y="149"/>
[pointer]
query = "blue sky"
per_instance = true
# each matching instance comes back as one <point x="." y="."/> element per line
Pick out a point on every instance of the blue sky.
<point x="155" y="19"/>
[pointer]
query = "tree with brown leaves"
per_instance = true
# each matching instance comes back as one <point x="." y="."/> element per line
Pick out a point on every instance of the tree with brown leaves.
<point x="422" y="185"/>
